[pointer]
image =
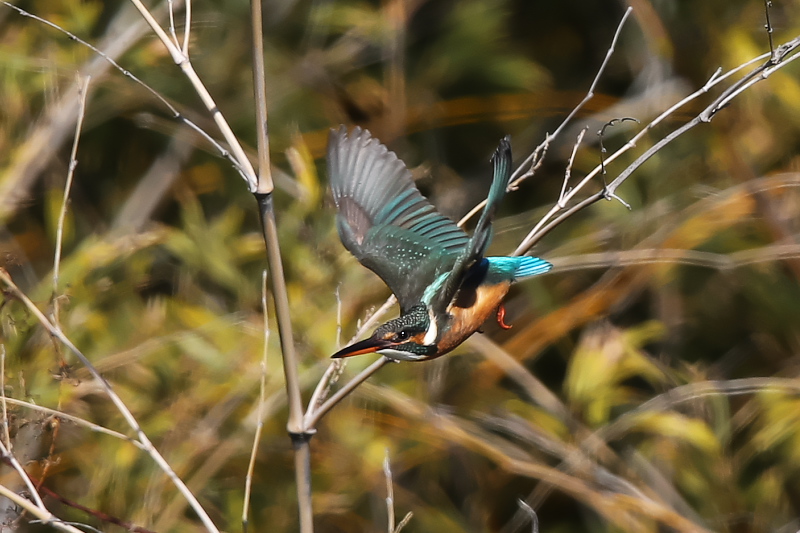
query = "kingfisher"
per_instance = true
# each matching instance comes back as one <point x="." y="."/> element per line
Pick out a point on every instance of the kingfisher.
<point x="445" y="286"/>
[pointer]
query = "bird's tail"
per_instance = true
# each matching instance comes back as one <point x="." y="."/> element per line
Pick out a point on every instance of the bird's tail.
<point x="531" y="266"/>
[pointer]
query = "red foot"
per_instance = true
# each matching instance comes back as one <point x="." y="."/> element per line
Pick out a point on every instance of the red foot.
<point x="501" y="314"/>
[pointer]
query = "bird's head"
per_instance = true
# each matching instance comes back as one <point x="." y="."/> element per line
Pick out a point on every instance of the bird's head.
<point x="410" y="337"/>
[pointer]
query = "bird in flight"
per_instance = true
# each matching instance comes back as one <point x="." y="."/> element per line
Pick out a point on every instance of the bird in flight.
<point x="445" y="286"/>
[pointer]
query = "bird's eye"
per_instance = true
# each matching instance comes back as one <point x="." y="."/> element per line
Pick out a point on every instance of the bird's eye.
<point x="401" y="335"/>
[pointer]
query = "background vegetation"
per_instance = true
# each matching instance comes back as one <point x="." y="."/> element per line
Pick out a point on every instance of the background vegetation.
<point x="650" y="382"/>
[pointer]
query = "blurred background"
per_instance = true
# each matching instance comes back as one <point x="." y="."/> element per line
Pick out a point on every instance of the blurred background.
<point x="650" y="381"/>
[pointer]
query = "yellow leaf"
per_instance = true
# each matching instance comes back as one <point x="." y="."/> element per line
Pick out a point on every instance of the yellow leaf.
<point x="676" y="426"/>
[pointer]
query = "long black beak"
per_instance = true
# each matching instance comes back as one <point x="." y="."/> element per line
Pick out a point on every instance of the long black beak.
<point x="366" y="346"/>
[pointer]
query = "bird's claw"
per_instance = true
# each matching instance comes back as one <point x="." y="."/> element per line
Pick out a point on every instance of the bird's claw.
<point x="501" y="314"/>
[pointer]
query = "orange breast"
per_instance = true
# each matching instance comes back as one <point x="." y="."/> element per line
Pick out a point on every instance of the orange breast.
<point x="466" y="320"/>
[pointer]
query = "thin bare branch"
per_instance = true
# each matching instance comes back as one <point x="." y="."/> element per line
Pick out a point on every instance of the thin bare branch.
<point x="187" y="27"/>
<point x="262" y="400"/>
<point x="568" y="171"/>
<point x="387" y="473"/>
<point x="76" y="420"/>
<point x="334" y="370"/>
<point x="6" y="432"/>
<point x="723" y="262"/>
<point x="768" y="25"/>
<point x="404" y="522"/>
<point x="73" y="162"/>
<point x="97" y="51"/>
<point x="5" y="446"/>
<point x="531" y="514"/>
<point x="172" y="22"/>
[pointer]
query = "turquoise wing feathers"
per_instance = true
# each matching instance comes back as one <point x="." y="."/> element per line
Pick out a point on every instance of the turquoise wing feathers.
<point x="384" y="221"/>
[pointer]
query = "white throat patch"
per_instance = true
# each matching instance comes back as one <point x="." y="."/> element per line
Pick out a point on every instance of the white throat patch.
<point x="433" y="330"/>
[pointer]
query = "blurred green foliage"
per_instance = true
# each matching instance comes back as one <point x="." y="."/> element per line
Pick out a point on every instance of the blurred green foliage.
<point x="649" y="383"/>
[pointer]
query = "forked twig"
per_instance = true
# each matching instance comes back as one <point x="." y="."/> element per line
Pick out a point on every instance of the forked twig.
<point x="774" y="62"/>
<point x="603" y="151"/>
<point x="518" y="174"/>
<point x="181" y="59"/>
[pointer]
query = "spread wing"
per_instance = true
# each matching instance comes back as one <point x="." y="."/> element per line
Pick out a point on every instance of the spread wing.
<point x="472" y="253"/>
<point x="383" y="219"/>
